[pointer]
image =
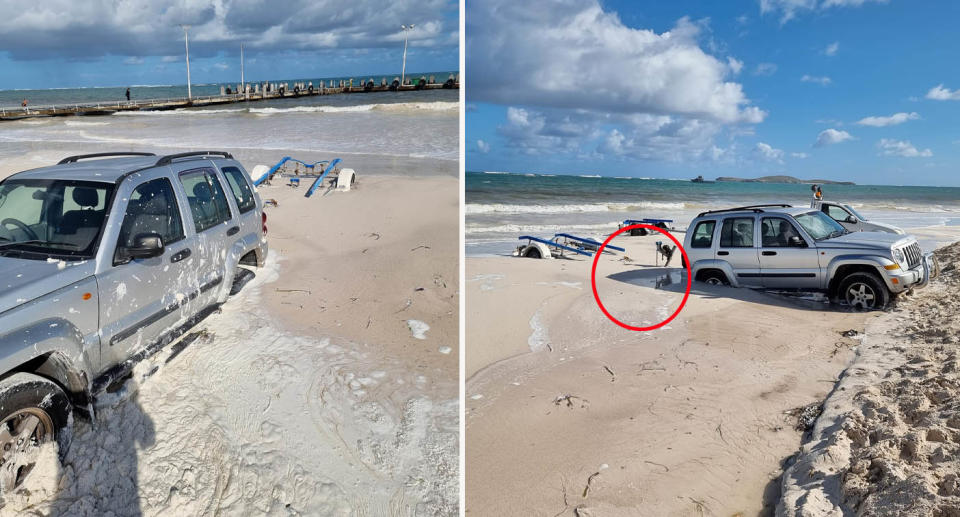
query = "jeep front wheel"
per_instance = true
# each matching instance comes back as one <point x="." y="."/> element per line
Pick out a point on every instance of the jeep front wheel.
<point x="33" y="412"/>
<point x="864" y="291"/>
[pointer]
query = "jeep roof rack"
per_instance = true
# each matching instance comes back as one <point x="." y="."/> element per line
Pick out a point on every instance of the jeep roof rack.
<point x="752" y="208"/>
<point x="168" y="159"/>
<point x="74" y="159"/>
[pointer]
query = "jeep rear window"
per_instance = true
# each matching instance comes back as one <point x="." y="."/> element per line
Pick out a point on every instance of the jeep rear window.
<point x="737" y="232"/>
<point x="240" y="189"/>
<point x="52" y="218"/>
<point x="703" y="234"/>
<point x="208" y="202"/>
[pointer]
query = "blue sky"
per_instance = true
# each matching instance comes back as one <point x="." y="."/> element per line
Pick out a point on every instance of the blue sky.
<point x="855" y="90"/>
<point x="64" y="43"/>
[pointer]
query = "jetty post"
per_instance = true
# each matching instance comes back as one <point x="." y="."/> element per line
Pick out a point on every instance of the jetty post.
<point x="186" y="43"/>
<point x="403" y="69"/>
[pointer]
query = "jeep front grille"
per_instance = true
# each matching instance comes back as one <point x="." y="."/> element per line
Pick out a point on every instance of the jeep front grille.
<point x="914" y="255"/>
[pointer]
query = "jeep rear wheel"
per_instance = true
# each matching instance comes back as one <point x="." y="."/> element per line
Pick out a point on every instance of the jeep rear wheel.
<point x="713" y="278"/>
<point x="864" y="291"/>
<point x="33" y="412"/>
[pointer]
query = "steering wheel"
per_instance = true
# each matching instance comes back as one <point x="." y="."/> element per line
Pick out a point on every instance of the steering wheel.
<point x="21" y="225"/>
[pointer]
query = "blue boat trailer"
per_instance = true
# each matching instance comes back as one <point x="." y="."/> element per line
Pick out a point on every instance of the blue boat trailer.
<point x="325" y="166"/>
<point x="659" y="223"/>
<point x="586" y="243"/>
<point x="553" y="244"/>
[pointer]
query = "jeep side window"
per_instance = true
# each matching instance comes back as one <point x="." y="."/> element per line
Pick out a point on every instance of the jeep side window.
<point x="208" y="202"/>
<point x="836" y="213"/>
<point x="152" y="208"/>
<point x="240" y="189"/>
<point x="703" y="234"/>
<point x="775" y="232"/>
<point x="737" y="232"/>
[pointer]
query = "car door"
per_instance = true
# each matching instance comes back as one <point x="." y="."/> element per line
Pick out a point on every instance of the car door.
<point x="244" y="200"/>
<point x="738" y="248"/>
<point x="785" y="264"/>
<point x="842" y="216"/>
<point x="213" y="222"/>
<point x="140" y="299"/>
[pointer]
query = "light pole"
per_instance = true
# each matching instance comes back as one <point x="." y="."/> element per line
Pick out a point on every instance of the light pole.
<point x="186" y="43"/>
<point x="403" y="71"/>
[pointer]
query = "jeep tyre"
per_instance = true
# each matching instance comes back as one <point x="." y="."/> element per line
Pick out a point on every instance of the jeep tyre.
<point x="713" y="277"/>
<point x="33" y="411"/>
<point x="863" y="291"/>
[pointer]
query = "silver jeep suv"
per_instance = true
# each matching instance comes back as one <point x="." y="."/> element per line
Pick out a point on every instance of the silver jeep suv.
<point x="105" y="258"/>
<point x="782" y="247"/>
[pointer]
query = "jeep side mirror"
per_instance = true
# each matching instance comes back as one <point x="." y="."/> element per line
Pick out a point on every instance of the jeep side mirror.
<point x="796" y="242"/>
<point x="852" y="219"/>
<point x="145" y="245"/>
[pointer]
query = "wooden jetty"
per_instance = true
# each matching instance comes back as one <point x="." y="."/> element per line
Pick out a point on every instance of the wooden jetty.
<point x="253" y="92"/>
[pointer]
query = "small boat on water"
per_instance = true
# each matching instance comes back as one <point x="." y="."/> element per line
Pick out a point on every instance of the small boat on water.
<point x="699" y="179"/>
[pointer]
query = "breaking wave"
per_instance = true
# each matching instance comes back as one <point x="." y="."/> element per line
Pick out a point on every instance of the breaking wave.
<point x="474" y="208"/>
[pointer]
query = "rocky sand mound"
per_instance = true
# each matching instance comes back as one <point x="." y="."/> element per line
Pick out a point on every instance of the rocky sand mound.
<point x="888" y="441"/>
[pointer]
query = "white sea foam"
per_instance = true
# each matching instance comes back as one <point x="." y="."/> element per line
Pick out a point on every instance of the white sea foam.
<point x="477" y="208"/>
<point x="515" y="228"/>
<point x="400" y="106"/>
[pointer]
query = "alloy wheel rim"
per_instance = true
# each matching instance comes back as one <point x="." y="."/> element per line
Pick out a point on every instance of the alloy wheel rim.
<point x="861" y="295"/>
<point x="21" y="435"/>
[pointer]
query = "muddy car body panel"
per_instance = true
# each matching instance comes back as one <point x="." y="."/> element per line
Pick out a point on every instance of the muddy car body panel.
<point x="71" y="316"/>
<point x="773" y="247"/>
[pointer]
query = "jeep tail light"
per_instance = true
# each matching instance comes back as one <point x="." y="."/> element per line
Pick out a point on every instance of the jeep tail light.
<point x="263" y="217"/>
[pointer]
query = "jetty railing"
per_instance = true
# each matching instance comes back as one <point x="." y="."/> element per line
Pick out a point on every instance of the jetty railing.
<point x="260" y="94"/>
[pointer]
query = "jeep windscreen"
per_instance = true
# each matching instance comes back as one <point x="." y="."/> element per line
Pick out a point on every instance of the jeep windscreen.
<point x="820" y="226"/>
<point x="41" y="219"/>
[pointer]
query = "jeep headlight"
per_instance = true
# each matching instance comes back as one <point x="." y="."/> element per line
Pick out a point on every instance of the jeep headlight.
<point x="899" y="256"/>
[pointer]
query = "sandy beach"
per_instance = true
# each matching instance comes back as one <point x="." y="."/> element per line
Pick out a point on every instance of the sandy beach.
<point x="886" y="443"/>
<point x="309" y="392"/>
<point x="568" y="414"/>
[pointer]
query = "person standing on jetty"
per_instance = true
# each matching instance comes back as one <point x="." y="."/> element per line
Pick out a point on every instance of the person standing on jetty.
<point x="23" y="103"/>
<point x="128" y="94"/>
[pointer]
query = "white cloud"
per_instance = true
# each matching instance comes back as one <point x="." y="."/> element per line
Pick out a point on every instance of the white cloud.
<point x="765" y="69"/>
<point x="939" y="93"/>
<point x="768" y="152"/>
<point x="549" y="51"/>
<point x="832" y="136"/>
<point x="735" y="65"/>
<point x="892" y="120"/>
<point x="832" y="48"/>
<point x="799" y="155"/>
<point x="483" y="147"/>
<point x="171" y="59"/>
<point x="89" y="29"/>
<point x="789" y="9"/>
<point x="901" y="148"/>
<point x="133" y="60"/>
<point x="822" y="81"/>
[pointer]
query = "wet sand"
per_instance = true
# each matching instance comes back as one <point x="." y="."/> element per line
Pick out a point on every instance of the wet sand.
<point x="566" y="412"/>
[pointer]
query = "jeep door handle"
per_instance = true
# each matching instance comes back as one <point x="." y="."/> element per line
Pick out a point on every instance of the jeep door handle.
<point x="233" y="231"/>
<point x="723" y="253"/>
<point x="180" y="255"/>
<point x="769" y="253"/>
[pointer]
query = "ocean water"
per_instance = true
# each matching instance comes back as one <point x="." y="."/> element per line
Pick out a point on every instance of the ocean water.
<point x="407" y="124"/>
<point x="501" y="206"/>
<point x="54" y="96"/>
